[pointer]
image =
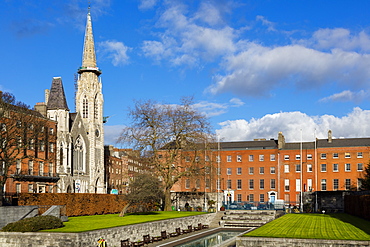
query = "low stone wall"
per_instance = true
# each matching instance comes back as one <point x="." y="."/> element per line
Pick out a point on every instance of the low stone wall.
<point x="287" y="242"/>
<point x="9" y="214"/>
<point x="111" y="235"/>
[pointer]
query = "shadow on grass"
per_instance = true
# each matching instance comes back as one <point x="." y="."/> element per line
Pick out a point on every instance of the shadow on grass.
<point x="362" y="224"/>
<point x="143" y="213"/>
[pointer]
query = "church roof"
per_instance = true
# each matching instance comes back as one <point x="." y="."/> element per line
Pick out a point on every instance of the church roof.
<point x="57" y="98"/>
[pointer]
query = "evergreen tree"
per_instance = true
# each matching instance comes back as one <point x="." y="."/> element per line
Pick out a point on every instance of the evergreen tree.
<point x="365" y="181"/>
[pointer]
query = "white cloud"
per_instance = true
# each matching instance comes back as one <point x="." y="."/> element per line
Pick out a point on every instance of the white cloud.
<point x="112" y="133"/>
<point x="270" y="25"/>
<point x="116" y="51"/>
<point x="147" y="4"/>
<point x="258" y="69"/>
<point x="236" y="102"/>
<point x="188" y="39"/>
<point x="347" y="95"/>
<point x="209" y="13"/>
<point x="340" y="38"/>
<point x="248" y="68"/>
<point x="215" y="109"/>
<point x="354" y="124"/>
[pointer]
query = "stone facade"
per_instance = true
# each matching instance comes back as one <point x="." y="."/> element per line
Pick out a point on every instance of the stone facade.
<point x="80" y="145"/>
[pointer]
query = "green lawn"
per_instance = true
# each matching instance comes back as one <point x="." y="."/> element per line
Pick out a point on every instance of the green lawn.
<point x="88" y="223"/>
<point x="319" y="226"/>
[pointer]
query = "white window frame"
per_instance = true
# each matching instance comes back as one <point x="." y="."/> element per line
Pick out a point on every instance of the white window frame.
<point x="335" y="165"/>
<point x="228" y="171"/>
<point x="298" y="185"/>
<point x="323" y="167"/>
<point x="360" y="166"/>
<point x="261" y="157"/>
<point x="347" y="165"/>
<point x="309" y="167"/>
<point x="286" y="168"/>
<point x="272" y="170"/>
<point x="238" y="158"/>
<point x="239" y="171"/>
<point x="228" y="158"/>
<point x="272" y="157"/>
<point x="262" y="170"/>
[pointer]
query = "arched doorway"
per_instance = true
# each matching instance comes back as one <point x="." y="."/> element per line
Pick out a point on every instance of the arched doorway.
<point x="272" y="195"/>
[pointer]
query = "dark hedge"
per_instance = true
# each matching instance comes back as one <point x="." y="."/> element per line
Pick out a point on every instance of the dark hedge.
<point x="34" y="224"/>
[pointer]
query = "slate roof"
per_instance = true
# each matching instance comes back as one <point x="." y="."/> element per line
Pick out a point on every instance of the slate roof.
<point x="344" y="142"/>
<point x="263" y="144"/>
<point x="57" y="98"/>
<point x="324" y="143"/>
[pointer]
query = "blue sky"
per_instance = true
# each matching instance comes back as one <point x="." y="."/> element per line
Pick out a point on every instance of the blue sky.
<point x="253" y="67"/>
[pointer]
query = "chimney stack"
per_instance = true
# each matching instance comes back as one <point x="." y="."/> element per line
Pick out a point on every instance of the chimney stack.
<point x="281" y="140"/>
<point x="330" y="137"/>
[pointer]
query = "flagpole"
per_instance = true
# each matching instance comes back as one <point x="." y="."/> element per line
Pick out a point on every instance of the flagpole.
<point x="301" y="178"/>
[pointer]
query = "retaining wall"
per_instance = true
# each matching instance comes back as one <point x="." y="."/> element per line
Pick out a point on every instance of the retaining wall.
<point x="11" y="214"/>
<point x="288" y="242"/>
<point x="111" y="235"/>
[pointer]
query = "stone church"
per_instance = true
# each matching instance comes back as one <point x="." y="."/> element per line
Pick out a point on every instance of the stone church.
<point x="80" y="135"/>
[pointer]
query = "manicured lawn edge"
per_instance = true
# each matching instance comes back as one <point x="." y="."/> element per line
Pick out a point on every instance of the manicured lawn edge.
<point x="96" y="222"/>
<point x="315" y="226"/>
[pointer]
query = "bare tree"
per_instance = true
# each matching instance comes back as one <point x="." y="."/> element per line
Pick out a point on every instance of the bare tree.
<point x="166" y="135"/>
<point x="23" y="133"/>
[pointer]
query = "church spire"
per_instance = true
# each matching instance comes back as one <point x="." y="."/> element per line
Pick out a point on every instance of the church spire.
<point x="89" y="57"/>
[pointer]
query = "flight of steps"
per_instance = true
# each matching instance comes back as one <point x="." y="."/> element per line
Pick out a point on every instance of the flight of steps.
<point x="216" y="220"/>
<point x="246" y="218"/>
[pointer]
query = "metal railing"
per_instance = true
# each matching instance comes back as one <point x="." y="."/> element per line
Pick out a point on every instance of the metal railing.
<point x="242" y="205"/>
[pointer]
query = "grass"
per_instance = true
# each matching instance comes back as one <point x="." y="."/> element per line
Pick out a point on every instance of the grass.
<point x="315" y="226"/>
<point x="95" y="222"/>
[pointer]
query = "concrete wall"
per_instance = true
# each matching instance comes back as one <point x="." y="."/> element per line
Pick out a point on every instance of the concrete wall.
<point x="10" y="214"/>
<point x="111" y="235"/>
<point x="287" y="242"/>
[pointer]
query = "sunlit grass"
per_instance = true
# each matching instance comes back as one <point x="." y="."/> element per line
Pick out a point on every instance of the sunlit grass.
<point x="95" y="222"/>
<point x="317" y="226"/>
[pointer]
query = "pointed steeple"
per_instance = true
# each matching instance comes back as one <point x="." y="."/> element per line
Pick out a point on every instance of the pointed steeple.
<point x="89" y="57"/>
<point x="57" y="99"/>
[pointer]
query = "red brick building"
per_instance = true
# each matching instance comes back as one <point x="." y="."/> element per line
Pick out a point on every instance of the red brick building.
<point x="120" y="166"/>
<point x="267" y="170"/>
<point x="27" y="153"/>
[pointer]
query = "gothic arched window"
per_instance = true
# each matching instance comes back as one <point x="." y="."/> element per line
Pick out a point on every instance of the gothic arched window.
<point x="85" y="108"/>
<point x="79" y="155"/>
<point x="96" y="107"/>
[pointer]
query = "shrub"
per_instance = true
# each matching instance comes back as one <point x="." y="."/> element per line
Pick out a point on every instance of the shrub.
<point x="34" y="224"/>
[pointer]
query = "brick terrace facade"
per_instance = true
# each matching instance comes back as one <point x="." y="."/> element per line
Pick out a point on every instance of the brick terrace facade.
<point x="34" y="167"/>
<point x="266" y="170"/>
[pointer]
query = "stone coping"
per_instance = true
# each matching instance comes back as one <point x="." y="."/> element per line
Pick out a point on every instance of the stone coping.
<point x="113" y="235"/>
<point x="287" y="242"/>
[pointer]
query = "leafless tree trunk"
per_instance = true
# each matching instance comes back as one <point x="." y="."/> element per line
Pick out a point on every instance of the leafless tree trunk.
<point x="23" y="133"/>
<point x="165" y="134"/>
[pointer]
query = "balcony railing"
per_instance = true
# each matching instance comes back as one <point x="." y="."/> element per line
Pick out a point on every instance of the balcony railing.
<point x="31" y="175"/>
